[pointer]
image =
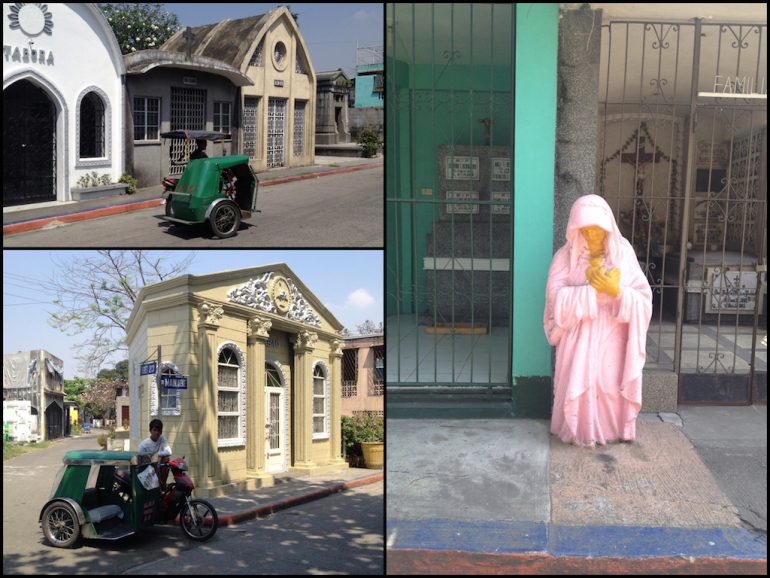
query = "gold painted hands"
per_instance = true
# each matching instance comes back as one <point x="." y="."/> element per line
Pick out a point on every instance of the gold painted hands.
<point x="602" y="279"/>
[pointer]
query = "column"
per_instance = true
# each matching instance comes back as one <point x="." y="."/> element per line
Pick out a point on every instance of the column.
<point x="303" y="400"/>
<point x="208" y="324"/>
<point x="335" y="362"/>
<point x="258" y="332"/>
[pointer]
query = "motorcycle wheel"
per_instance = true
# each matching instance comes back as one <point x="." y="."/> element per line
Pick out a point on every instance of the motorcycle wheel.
<point x="192" y="519"/>
<point x="60" y="525"/>
<point x="225" y="219"/>
<point x="168" y="209"/>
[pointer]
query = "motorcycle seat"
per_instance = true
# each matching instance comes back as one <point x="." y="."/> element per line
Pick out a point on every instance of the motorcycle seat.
<point x="103" y="513"/>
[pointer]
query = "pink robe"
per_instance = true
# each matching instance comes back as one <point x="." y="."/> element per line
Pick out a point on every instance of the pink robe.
<point x="599" y="339"/>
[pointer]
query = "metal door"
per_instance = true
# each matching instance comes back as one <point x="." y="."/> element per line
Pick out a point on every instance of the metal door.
<point x="449" y="194"/>
<point x="29" y="145"/>
<point x="683" y="155"/>
<point x="276" y="132"/>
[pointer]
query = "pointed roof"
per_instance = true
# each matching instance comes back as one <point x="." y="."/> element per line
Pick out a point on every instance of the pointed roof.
<point x="217" y="40"/>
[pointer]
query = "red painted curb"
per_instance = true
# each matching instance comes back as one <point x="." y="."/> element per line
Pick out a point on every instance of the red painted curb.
<point x="75" y="217"/>
<point x="404" y="561"/>
<point x="268" y="509"/>
<point x="34" y="225"/>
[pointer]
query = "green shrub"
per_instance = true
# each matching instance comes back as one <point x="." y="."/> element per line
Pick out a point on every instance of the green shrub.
<point x="368" y="427"/>
<point x="370" y="142"/>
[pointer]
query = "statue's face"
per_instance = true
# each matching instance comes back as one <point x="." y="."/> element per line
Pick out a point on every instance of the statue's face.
<point x="594" y="236"/>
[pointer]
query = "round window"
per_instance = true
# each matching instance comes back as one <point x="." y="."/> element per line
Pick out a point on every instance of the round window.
<point x="279" y="55"/>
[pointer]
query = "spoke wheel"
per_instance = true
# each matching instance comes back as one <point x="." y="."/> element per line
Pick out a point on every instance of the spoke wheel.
<point x="199" y="520"/>
<point x="60" y="525"/>
<point x="225" y="220"/>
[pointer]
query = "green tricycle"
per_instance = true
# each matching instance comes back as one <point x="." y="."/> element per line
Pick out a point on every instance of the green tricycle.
<point x="221" y="191"/>
<point x="112" y="494"/>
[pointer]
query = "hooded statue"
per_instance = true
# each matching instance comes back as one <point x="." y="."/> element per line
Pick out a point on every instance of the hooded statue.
<point x="597" y="311"/>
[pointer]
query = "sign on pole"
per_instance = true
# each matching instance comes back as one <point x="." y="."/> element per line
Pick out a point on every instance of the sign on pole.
<point x="174" y="381"/>
<point x="148" y="368"/>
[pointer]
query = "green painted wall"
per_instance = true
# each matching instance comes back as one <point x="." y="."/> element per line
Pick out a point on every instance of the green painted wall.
<point x="534" y="157"/>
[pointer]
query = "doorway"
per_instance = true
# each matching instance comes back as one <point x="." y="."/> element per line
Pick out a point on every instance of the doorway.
<point x="276" y="427"/>
<point x="29" y="145"/>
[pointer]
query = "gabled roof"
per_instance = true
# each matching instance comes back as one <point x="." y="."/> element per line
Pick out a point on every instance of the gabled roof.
<point x="234" y="41"/>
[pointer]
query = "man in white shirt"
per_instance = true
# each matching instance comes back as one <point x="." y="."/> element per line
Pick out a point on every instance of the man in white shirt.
<point x="156" y="443"/>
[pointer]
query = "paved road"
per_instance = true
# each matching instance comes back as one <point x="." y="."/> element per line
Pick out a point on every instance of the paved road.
<point x="344" y="210"/>
<point x="339" y="534"/>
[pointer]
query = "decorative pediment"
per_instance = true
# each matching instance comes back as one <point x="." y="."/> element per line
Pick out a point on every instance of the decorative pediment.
<point x="276" y="294"/>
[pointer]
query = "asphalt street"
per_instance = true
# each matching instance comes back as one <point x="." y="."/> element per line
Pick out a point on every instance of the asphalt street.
<point x="340" y="210"/>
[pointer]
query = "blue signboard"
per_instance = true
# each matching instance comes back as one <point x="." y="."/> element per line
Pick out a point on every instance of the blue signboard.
<point x="173" y="381"/>
<point x="148" y="368"/>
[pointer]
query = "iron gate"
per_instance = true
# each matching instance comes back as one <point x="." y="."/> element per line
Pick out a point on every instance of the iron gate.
<point x="449" y="194"/>
<point x="682" y="159"/>
<point x="29" y="145"/>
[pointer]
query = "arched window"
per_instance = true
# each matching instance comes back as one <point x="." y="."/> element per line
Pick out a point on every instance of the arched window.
<point x="320" y="403"/>
<point x="92" y="127"/>
<point x="228" y="395"/>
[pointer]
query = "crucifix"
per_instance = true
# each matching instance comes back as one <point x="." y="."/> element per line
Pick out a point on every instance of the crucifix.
<point x="639" y="159"/>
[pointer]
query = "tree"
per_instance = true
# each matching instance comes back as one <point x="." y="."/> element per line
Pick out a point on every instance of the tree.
<point x="140" y="26"/>
<point x="95" y="297"/>
<point x="368" y="327"/>
<point x="120" y="373"/>
<point x="99" y="399"/>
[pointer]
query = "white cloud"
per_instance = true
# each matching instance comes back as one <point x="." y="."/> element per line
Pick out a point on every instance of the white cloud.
<point x="361" y="16"/>
<point x="360" y="298"/>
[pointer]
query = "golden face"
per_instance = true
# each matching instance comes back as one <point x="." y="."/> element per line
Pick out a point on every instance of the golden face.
<point x="281" y="294"/>
<point x="594" y="236"/>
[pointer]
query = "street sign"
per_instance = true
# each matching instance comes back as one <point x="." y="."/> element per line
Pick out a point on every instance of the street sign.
<point x="174" y="381"/>
<point x="148" y="368"/>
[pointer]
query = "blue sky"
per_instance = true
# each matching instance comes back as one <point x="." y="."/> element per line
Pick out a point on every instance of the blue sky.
<point x="330" y="30"/>
<point x="348" y="283"/>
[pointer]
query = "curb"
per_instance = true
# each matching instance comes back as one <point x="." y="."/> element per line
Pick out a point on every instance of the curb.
<point x="266" y="510"/>
<point x="452" y="547"/>
<point x="42" y="222"/>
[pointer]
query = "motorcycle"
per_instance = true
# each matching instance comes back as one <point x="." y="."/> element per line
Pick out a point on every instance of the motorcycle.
<point x="111" y="494"/>
<point x="176" y="500"/>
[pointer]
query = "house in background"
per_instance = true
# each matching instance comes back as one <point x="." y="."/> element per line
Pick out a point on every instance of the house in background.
<point x="363" y="375"/>
<point x="33" y="382"/>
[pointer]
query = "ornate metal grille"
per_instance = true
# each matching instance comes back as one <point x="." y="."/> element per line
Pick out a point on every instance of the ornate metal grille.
<point x="250" y="127"/>
<point x="257" y="59"/>
<point x="299" y="128"/>
<point x="276" y="132"/>
<point x="683" y="150"/>
<point x="349" y="372"/>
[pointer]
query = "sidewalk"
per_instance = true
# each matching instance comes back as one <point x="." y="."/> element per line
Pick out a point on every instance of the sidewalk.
<point x="504" y="496"/>
<point x="33" y="217"/>
<point x="287" y="492"/>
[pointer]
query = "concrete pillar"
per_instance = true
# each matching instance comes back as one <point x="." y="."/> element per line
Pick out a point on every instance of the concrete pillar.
<point x="577" y="106"/>
<point x="303" y="401"/>
<point x="208" y="324"/>
<point x="258" y="332"/>
<point x="335" y="435"/>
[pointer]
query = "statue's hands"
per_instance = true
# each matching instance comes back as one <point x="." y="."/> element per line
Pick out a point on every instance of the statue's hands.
<point x="604" y="281"/>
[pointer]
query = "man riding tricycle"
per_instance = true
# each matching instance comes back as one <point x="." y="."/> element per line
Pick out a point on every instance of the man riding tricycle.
<point x="220" y="190"/>
<point x="110" y="495"/>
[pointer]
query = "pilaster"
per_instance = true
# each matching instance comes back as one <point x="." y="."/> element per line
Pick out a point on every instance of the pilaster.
<point x="303" y="400"/>
<point x="208" y="325"/>
<point x="256" y="420"/>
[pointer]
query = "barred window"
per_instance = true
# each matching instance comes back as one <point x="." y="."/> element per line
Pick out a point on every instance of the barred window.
<point x="349" y="372"/>
<point x="257" y="58"/>
<point x="228" y="395"/>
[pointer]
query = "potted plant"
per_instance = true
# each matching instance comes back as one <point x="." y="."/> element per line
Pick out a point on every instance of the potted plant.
<point x="364" y="435"/>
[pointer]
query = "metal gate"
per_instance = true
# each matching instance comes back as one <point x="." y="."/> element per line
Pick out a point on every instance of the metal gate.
<point x="449" y="194"/>
<point x="682" y="159"/>
<point x="276" y="132"/>
<point x="29" y="145"/>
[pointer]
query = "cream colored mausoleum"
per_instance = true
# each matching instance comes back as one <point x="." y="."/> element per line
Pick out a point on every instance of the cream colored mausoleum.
<point x="260" y="358"/>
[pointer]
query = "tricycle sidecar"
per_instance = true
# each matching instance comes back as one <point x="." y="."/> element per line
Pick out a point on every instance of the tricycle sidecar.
<point x="85" y="502"/>
<point x="221" y="191"/>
